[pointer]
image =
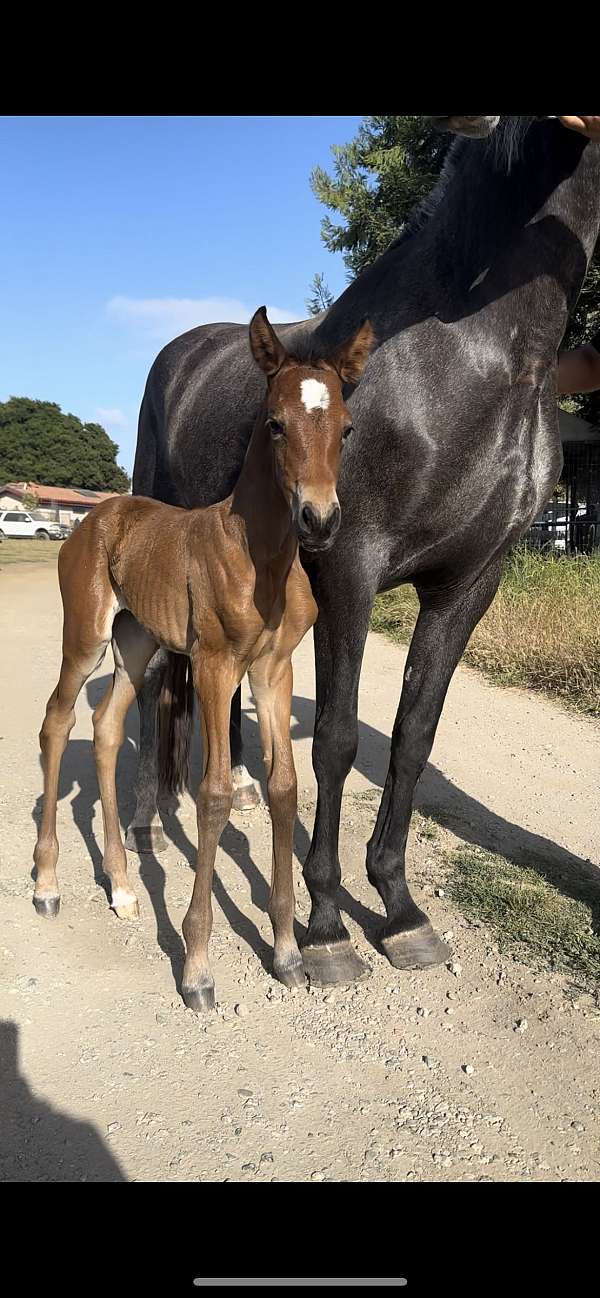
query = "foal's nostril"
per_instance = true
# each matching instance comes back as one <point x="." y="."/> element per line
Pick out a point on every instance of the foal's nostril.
<point x="317" y="528"/>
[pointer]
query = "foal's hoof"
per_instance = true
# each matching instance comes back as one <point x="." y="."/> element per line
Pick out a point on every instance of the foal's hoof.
<point x="290" y="971"/>
<point x="47" y="906"/>
<point x="201" y="998"/>
<point x="334" y="964"/>
<point x="145" y="838"/>
<point x="127" y="909"/>
<point x="415" y="948"/>
<point x="124" y="903"/>
<point x="245" y="793"/>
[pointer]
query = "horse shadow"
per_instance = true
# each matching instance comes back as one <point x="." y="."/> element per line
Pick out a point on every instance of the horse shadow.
<point x="78" y="777"/>
<point x="436" y="797"/>
<point x="39" y="1142"/>
<point x="452" y="808"/>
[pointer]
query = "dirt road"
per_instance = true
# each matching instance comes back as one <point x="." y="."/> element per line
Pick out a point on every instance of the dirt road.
<point x="106" y="1076"/>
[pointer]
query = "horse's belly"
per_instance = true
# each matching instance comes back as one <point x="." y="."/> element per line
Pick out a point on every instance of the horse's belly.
<point x="163" y="611"/>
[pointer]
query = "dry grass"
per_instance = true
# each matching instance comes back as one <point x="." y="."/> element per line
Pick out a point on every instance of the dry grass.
<point x="28" y="551"/>
<point x="542" y="630"/>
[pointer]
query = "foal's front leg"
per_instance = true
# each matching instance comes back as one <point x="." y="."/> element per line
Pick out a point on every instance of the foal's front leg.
<point x="215" y="679"/>
<point x="271" y="681"/>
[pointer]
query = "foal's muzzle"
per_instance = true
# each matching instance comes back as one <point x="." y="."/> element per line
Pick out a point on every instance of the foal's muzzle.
<point x="317" y="527"/>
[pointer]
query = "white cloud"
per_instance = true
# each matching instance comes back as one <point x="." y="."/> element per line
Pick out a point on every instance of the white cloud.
<point x="162" y="318"/>
<point x="111" y="417"/>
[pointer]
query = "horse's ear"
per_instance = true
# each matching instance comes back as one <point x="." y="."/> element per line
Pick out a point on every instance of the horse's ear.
<point x="350" y="359"/>
<point x="267" y="350"/>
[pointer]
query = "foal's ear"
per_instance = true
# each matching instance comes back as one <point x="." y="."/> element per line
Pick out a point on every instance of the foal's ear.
<point x="267" y="350"/>
<point x="350" y="359"/>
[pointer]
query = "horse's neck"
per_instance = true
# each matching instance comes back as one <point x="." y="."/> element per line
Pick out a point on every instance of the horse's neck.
<point x="548" y="199"/>
<point x="481" y="212"/>
<point x="259" y="502"/>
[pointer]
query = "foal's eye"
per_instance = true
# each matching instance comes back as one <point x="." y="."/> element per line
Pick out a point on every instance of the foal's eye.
<point x="347" y="431"/>
<point x="275" y="427"/>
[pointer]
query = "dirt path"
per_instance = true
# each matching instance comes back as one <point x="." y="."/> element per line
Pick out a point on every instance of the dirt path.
<point x="106" y="1076"/>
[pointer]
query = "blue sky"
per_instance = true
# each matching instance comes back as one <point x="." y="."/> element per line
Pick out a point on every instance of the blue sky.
<point x="118" y="233"/>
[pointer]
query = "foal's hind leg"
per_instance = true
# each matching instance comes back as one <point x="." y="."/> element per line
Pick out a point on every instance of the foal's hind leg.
<point x="245" y="792"/>
<point x="145" y="831"/>
<point x="132" y="649"/>
<point x="58" y="723"/>
<point x="215" y="679"/>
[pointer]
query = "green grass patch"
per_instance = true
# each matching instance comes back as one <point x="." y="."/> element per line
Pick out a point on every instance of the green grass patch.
<point x="529" y="916"/>
<point x="28" y="551"/>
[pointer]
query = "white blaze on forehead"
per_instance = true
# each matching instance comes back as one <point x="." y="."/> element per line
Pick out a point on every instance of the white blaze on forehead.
<point x="315" y="395"/>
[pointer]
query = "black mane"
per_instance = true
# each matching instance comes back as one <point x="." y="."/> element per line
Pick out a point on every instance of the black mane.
<point x="503" y="146"/>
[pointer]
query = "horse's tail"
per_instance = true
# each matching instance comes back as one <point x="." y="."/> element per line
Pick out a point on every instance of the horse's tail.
<point x="175" y="717"/>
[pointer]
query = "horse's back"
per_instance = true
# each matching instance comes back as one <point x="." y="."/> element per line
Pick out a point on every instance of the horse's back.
<point x="201" y="399"/>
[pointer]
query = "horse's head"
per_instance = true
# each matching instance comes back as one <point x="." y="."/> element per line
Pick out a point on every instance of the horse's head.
<point x="476" y="128"/>
<point x="308" y="423"/>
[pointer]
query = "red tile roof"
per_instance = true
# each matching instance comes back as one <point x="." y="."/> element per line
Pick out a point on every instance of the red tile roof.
<point x="59" y="495"/>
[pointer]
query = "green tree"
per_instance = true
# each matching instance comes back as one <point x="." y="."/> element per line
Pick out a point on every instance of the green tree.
<point x="377" y="181"/>
<point x="39" y="443"/>
<point x="320" y="295"/>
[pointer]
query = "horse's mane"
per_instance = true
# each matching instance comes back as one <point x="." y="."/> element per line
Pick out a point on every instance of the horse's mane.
<point x="503" y="148"/>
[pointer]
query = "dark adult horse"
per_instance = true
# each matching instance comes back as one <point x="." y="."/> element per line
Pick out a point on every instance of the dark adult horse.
<point x="455" y="450"/>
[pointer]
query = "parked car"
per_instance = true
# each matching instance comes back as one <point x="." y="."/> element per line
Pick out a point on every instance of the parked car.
<point x="19" y="523"/>
<point x="58" y="531"/>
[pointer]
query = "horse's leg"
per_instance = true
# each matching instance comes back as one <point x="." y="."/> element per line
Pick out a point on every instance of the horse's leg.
<point x="58" y="723"/>
<point x="215" y="680"/>
<point x="345" y="600"/>
<point x="271" y="680"/>
<point x="440" y="637"/>
<point x="245" y="792"/>
<point x="132" y="650"/>
<point x="145" y="832"/>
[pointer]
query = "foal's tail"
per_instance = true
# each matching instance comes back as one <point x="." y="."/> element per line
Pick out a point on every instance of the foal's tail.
<point x="175" y="717"/>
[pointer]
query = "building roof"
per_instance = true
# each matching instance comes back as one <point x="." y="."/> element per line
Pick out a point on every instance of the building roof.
<point x="59" y="495"/>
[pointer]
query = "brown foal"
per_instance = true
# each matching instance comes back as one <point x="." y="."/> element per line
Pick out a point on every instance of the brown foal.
<point x="225" y="586"/>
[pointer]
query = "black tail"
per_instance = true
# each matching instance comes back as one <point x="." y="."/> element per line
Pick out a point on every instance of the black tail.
<point x="175" y="717"/>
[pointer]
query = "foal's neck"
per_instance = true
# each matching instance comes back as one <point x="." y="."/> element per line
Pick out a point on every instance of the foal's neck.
<point x="259" y="500"/>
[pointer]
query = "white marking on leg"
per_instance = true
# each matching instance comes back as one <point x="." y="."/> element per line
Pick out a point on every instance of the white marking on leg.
<point x="121" y="897"/>
<point x="241" y="777"/>
<point x="315" y="395"/>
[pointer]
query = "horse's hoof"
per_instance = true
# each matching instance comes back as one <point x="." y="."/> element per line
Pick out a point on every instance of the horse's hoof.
<point x="145" y="838"/>
<point x="47" y="906"/>
<point x="334" y="964"/>
<point x="245" y="796"/>
<point x="127" y="909"/>
<point x="201" y="998"/>
<point x="415" y="948"/>
<point x="290" y="971"/>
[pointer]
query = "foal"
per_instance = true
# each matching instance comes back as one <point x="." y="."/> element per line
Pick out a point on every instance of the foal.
<point x="223" y="585"/>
